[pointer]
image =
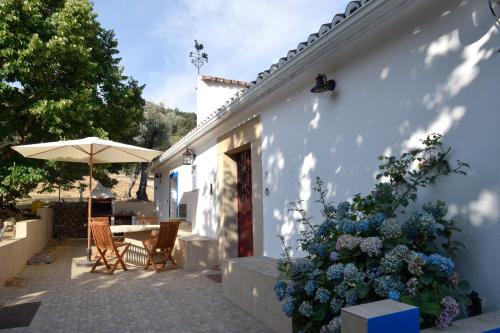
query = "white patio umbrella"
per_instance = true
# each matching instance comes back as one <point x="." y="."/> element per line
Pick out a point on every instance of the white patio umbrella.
<point x="90" y="150"/>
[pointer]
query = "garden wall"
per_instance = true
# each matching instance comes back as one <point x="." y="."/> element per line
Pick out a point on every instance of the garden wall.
<point x="31" y="237"/>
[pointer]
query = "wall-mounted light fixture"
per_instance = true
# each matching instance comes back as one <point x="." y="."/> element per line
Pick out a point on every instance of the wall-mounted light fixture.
<point x="323" y="84"/>
<point x="158" y="177"/>
<point x="188" y="157"/>
<point x="494" y="6"/>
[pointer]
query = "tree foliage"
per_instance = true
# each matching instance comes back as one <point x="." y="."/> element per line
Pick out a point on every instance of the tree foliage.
<point x="160" y="128"/>
<point x="60" y="79"/>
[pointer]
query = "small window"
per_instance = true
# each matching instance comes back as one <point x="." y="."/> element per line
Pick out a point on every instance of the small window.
<point x="182" y="211"/>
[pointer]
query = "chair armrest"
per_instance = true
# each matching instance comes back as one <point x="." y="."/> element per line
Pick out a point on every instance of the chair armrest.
<point x="150" y="244"/>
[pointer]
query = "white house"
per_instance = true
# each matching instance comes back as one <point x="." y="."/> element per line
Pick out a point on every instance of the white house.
<point x="403" y="69"/>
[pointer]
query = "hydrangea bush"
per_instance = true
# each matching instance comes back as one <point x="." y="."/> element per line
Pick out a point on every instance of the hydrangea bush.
<point x="371" y="249"/>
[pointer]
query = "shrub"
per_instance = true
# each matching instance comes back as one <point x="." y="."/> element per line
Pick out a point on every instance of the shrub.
<point x="371" y="249"/>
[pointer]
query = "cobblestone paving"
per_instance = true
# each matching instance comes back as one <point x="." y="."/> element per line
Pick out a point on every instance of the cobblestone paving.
<point x="74" y="300"/>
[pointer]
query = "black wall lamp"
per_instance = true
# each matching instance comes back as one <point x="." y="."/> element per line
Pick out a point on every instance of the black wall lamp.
<point x="494" y="4"/>
<point x="323" y="84"/>
<point x="188" y="157"/>
<point x="158" y="176"/>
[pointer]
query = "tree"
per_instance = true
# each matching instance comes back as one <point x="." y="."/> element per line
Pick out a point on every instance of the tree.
<point x="60" y="79"/>
<point x="160" y="128"/>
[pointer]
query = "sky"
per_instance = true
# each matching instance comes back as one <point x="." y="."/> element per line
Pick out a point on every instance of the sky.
<point x="242" y="38"/>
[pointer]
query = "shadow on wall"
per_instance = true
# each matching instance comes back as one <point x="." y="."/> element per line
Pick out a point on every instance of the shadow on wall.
<point x="437" y="74"/>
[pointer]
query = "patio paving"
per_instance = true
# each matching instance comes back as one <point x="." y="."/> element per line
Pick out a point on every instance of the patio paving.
<point x="74" y="300"/>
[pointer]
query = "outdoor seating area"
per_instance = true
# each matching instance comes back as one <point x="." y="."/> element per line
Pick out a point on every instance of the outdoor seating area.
<point x="75" y="300"/>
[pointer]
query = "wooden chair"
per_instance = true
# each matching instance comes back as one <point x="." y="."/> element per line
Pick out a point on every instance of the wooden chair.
<point x="104" y="242"/>
<point x="160" y="248"/>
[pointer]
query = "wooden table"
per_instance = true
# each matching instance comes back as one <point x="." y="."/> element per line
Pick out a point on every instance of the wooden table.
<point x="135" y="234"/>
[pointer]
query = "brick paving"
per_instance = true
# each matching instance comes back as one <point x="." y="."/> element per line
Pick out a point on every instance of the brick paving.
<point x="74" y="300"/>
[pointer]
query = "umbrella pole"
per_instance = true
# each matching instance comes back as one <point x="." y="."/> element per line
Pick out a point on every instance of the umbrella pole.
<point x="89" y="250"/>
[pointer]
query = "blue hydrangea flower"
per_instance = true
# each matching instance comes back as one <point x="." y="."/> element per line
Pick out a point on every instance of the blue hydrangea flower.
<point x="420" y="224"/>
<point x="346" y="226"/>
<point x="374" y="273"/>
<point x="301" y="266"/>
<point x="288" y="306"/>
<point x="291" y="288"/>
<point x="315" y="274"/>
<point x="306" y="309"/>
<point x="351" y="297"/>
<point x="335" y="271"/>
<point x="336" y="305"/>
<point x="343" y="209"/>
<point x="319" y="249"/>
<point x="371" y="246"/>
<point x="322" y="295"/>
<point x="390" y="228"/>
<point x="333" y="326"/>
<point x="280" y="289"/>
<point x="423" y="256"/>
<point x="340" y="289"/>
<point x="377" y="219"/>
<point x="334" y="256"/>
<point x="444" y="264"/>
<point x="310" y="287"/>
<point x="394" y="295"/>
<point x="385" y="283"/>
<point x="362" y="226"/>
<point x="350" y="272"/>
<point x="438" y="209"/>
<point x="326" y="227"/>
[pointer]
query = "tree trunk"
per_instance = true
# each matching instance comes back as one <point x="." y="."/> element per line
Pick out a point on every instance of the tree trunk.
<point x="141" y="192"/>
<point x="131" y="184"/>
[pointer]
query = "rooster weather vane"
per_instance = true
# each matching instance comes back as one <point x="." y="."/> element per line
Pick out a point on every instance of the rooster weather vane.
<point x="198" y="58"/>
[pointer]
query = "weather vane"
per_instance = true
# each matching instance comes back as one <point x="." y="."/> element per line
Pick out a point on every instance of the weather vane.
<point x="198" y="58"/>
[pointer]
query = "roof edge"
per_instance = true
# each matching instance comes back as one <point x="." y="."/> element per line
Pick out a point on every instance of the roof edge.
<point x="344" y="28"/>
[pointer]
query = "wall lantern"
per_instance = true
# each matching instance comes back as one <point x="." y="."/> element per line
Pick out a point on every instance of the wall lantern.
<point x="323" y="84"/>
<point x="188" y="157"/>
<point x="494" y="5"/>
<point x="158" y="176"/>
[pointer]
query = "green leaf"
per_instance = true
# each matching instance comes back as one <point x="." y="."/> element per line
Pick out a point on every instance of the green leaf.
<point x="363" y="290"/>
<point x="464" y="285"/>
<point x="408" y="300"/>
<point x="432" y="309"/>
<point x="444" y="290"/>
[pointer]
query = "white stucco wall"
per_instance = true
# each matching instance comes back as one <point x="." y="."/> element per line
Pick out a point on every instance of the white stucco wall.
<point x="206" y="223"/>
<point x="212" y="95"/>
<point x="201" y="204"/>
<point x="162" y="189"/>
<point x="433" y="70"/>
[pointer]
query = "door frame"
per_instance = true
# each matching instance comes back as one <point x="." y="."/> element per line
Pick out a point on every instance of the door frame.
<point x="246" y="136"/>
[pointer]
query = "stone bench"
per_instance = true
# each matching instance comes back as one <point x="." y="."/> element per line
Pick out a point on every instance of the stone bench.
<point x="385" y="316"/>
<point x="485" y="323"/>
<point x="195" y="252"/>
<point x="249" y="283"/>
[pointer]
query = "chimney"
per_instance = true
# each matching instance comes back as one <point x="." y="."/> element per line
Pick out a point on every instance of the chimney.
<point x="212" y="92"/>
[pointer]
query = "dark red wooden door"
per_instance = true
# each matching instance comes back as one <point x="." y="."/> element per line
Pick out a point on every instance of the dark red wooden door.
<point x="245" y="233"/>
